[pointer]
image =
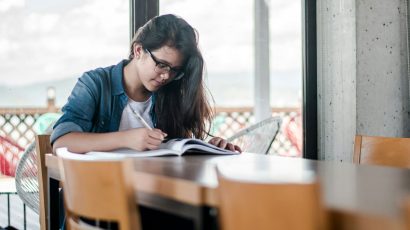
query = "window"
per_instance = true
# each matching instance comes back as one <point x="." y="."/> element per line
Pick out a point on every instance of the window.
<point x="226" y="38"/>
<point x="48" y="44"/>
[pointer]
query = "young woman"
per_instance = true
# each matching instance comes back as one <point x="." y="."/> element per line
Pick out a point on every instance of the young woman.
<point x="162" y="81"/>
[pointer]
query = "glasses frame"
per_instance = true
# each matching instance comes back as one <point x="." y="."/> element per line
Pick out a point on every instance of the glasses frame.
<point x="175" y="74"/>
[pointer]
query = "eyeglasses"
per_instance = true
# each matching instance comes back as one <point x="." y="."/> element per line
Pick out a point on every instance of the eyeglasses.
<point x="161" y="68"/>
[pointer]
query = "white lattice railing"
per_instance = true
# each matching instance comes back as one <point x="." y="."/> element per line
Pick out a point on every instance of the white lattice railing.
<point x="17" y="124"/>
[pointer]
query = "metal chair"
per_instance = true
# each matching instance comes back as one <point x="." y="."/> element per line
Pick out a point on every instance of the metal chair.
<point x="27" y="179"/>
<point x="257" y="138"/>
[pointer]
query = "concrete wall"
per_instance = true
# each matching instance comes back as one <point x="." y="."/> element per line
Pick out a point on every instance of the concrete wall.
<point x="382" y="79"/>
<point x="363" y="83"/>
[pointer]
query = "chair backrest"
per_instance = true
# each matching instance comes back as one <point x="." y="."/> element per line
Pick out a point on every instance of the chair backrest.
<point x="43" y="146"/>
<point x="256" y="205"/>
<point x="27" y="185"/>
<point x="257" y="138"/>
<point x="386" y="151"/>
<point x="407" y="213"/>
<point x="98" y="189"/>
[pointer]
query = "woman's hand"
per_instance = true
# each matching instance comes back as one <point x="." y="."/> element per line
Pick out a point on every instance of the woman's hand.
<point x="222" y="143"/>
<point x="142" y="139"/>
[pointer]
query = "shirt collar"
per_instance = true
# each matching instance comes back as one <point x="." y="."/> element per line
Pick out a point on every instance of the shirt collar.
<point x="117" y="78"/>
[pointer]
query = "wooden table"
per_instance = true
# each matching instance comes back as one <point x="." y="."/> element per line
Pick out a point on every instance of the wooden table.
<point x="356" y="196"/>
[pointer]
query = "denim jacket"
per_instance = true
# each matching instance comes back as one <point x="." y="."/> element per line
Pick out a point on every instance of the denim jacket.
<point x="96" y="103"/>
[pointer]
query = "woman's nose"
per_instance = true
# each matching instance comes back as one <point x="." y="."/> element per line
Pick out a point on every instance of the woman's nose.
<point x="165" y="76"/>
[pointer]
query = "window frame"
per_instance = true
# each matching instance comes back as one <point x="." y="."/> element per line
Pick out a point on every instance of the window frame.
<point x="309" y="80"/>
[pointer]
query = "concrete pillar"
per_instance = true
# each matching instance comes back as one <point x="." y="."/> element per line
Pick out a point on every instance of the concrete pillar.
<point x="382" y="78"/>
<point x="336" y="78"/>
<point x="262" y="108"/>
<point x="363" y="82"/>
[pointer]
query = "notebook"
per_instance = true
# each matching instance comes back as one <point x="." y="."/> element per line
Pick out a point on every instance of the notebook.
<point x="177" y="147"/>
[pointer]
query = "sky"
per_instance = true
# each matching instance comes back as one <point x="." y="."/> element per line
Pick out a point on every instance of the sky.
<point x="227" y="30"/>
<point x="44" y="40"/>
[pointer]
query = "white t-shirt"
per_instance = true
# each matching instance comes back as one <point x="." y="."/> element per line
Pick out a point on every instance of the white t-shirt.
<point x="128" y="118"/>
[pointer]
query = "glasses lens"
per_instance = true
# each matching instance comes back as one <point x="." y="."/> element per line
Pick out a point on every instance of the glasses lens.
<point x="175" y="75"/>
<point x="164" y="68"/>
<point x="161" y="68"/>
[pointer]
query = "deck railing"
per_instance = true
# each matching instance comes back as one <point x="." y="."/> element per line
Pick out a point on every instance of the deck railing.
<point x="229" y="121"/>
<point x="17" y="124"/>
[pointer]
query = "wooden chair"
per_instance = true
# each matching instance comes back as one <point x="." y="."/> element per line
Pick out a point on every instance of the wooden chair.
<point x="386" y="151"/>
<point x="43" y="146"/>
<point x="31" y="178"/>
<point x="100" y="190"/>
<point x="256" y="205"/>
<point x="407" y="213"/>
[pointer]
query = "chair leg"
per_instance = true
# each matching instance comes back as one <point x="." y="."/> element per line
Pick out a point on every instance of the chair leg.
<point x="24" y="217"/>
<point x="8" y="209"/>
<point x="9" y="227"/>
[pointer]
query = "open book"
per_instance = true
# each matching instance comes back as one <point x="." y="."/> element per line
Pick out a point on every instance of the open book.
<point x="176" y="147"/>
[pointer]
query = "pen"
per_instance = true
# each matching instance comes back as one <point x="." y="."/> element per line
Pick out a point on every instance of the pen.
<point x="140" y="118"/>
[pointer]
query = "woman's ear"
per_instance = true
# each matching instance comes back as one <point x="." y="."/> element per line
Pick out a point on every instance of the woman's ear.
<point x="137" y="51"/>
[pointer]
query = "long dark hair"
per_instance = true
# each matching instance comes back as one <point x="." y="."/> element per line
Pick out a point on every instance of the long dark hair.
<point x="181" y="106"/>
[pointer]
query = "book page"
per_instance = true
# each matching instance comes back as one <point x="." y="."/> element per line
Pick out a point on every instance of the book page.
<point x="196" y="144"/>
<point x="175" y="146"/>
<point x="184" y="144"/>
<point x="171" y="147"/>
<point x="135" y="153"/>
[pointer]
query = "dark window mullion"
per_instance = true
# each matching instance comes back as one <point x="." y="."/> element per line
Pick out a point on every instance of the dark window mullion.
<point x="140" y="12"/>
<point x="310" y="121"/>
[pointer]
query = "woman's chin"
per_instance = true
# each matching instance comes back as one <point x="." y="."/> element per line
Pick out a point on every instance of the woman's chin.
<point x="153" y="86"/>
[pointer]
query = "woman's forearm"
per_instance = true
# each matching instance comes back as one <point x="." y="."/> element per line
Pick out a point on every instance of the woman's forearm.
<point x="79" y="142"/>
